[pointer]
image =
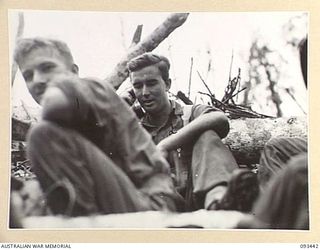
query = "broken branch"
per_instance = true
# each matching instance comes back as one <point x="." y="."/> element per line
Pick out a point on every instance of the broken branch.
<point x="120" y="72"/>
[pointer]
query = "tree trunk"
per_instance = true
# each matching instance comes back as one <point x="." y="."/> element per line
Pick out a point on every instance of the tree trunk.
<point x="14" y="67"/>
<point x="248" y="136"/>
<point x="120" y="73"/>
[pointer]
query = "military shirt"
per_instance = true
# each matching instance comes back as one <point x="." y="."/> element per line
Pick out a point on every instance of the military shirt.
<point x="180" y="159"/>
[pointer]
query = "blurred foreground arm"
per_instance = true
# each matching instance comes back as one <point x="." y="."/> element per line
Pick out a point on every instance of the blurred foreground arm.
<point x="56" y="106"/>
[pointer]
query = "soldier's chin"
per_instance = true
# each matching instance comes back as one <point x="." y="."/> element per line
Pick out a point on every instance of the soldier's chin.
<point x="148" y="108"/>
<point x="151" y="110"/>
<point x="149" y="105"/>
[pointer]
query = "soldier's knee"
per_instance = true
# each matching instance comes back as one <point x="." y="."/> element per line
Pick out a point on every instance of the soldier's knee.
<point x="42" y="134"/>
<point x="209" y="137"/>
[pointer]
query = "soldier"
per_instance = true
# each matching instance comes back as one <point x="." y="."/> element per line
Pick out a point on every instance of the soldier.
<point x="190" y="138"/>
<point x="89" y="152"/>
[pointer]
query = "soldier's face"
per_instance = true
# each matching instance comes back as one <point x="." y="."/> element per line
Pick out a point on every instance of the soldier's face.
<point x="40" y="67"/>
<point x="150" y="88"/>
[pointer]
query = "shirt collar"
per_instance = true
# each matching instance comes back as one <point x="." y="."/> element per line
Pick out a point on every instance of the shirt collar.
<point x="176" y="108"/>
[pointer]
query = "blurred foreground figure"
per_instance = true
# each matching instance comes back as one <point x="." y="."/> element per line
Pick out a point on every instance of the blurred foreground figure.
<point x="283" y="176"/>
<point x="89" y="152"/>
<point x="285" y="203"/>
<point x="190" y="138"/>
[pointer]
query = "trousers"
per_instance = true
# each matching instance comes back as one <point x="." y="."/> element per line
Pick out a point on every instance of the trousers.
<point x="79" y="179"/>
<point x="212" y="164"/>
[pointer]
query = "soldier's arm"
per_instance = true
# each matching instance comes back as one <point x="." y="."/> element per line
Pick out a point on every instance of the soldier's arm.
<point x="216" y="121"/>
<point x="56" y="106"/>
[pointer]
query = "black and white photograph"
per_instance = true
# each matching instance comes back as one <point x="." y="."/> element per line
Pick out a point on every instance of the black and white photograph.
<point x="159" y="120"/>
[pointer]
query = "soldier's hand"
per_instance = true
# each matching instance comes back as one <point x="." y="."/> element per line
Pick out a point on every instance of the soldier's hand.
<point x="128" y="96"/>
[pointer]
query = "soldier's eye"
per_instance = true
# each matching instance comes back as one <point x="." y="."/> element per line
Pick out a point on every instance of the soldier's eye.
<point x="152" y="83"/>
<point x="28" y="76"/>
<point x="137" y="85"/>
<point x="47" y="67"/>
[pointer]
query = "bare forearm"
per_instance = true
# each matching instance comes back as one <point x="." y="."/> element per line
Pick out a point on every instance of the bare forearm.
<point x="216" y="121"/>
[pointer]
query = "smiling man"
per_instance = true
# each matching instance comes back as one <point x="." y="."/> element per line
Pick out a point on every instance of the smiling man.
<point x="89" y="152"/>
<point x="39" y="66"/>
<point x="204" y="171"/>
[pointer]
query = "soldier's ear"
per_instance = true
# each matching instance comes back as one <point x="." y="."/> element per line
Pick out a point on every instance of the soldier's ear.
<point x="75" y="69"/>
<point x="168" y="84"/>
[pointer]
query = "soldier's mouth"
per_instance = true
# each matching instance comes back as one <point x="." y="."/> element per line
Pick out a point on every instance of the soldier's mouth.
<point x="148" y="102"/>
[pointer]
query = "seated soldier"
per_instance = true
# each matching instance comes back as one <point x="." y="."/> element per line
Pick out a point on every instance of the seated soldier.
<point x="190" y="138"/>
<point x="89" y="152"/>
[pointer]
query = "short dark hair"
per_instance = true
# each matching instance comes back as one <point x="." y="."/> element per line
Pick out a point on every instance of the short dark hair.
<point x="148" y="59"/>
<point x="27" y="45"/>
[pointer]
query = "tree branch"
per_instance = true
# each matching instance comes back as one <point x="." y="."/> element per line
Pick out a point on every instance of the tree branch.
<point x="137" y="36"/>
<point x="120" y="72"/>
<point x="212" y="95"/>
<point x="190" y="76"/>
<point x="14" y="67"/>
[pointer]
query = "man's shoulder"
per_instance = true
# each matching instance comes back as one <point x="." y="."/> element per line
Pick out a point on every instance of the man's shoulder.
<point x="200" y="109"/>
<point x="98" y="87"/>
<point x="73" y="82"/>
<point x="91" y="81"/>
<point x="189" y="112"/>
